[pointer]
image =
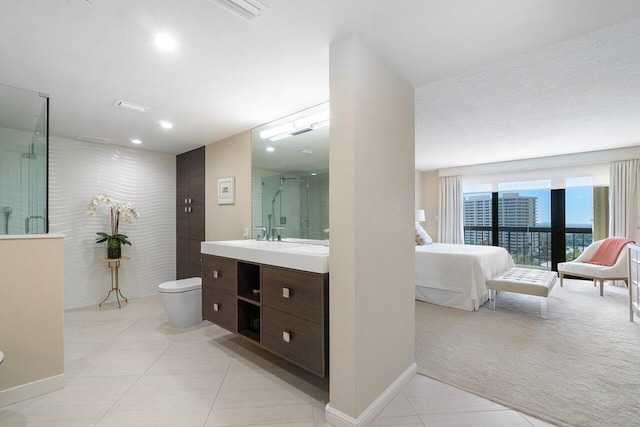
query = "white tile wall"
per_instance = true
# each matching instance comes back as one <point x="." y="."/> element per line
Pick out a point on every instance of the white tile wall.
<point x="78" y="172"/>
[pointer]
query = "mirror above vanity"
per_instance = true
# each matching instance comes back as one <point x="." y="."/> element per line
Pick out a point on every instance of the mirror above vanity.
<point x="290" y="177"/>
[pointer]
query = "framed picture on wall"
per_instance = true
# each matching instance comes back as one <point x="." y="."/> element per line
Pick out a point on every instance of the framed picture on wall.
<point x="226" y="190"/>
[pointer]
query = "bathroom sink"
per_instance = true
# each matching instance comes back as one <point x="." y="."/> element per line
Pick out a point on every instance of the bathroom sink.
<point x="309" y="249"/>
<point x="282" y="254"/>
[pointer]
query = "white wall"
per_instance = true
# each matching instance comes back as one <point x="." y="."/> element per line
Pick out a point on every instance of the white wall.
<point x="78" y="172"/>
<point x="372" y="203"/>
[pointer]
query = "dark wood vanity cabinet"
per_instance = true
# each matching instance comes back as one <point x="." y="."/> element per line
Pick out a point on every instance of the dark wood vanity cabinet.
<point x="190" y="193"/>
<point x="283" y="310"/>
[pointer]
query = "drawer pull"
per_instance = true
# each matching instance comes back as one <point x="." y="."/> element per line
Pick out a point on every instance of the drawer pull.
<point x="286" y="292"/>
<point x="185" y="201"/>
<point x="215" y="274"/>
<point x="286" y="336"/>
<point x="189" y="200"/>
<point x="185" y="209"/>
<point x="216" y="307"/>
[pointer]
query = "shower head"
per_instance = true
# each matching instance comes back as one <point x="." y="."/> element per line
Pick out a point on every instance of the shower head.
<point x="291" y="179"/>
<point x="276" y="195"/>
<point x="7" y="210"/>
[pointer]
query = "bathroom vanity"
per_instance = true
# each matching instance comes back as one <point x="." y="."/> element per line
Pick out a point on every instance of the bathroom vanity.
<point x="273" y="293"/>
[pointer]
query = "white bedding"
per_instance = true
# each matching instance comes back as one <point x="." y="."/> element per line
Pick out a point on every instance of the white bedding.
<point x="458" y="273"/>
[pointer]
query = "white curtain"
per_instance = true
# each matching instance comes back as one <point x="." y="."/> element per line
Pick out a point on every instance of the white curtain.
<point x="623" y="198"/>
<point x="451" y="205"/>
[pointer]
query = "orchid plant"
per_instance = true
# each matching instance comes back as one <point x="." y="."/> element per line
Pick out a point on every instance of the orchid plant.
<point x="126" y="211"/>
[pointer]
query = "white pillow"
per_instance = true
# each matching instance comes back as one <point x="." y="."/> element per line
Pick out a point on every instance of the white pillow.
<point x="422" y="237"/>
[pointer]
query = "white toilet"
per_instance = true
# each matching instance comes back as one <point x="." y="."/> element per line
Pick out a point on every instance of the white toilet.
<point x="182" y="301"/>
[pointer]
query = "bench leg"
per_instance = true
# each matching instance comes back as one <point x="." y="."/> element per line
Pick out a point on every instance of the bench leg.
<point x="601" y="288"/>
<point x="492" y="299"/>
<point x="543" y="308"/>
<point x="561" y="277"/>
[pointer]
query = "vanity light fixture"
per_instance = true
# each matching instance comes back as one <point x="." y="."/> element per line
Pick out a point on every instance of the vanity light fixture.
<point x="165" y="125"/>
<point x="296" y="127"/>
<point x="270" y="149"/>
<point x="165" y="42"/>
<point x="135" y="141"/>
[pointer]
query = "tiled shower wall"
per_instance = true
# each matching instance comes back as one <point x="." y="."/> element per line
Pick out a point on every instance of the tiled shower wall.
<point x="80" y="171"/>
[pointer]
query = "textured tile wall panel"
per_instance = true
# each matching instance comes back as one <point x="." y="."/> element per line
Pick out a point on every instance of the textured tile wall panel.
<point x="80" y="171"/>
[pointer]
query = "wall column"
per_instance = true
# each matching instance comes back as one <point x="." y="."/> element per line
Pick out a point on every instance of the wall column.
<point x="372" y="201"/>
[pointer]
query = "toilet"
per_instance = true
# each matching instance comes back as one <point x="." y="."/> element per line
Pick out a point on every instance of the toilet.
<point x="182" y="301"/>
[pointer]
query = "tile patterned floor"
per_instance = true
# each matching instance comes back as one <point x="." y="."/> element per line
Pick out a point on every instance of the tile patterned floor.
<point x="128" y="367"/>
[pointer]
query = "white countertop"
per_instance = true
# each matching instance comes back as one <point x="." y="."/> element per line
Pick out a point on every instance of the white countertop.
<point x="30" y="236"/>
<point x="298" y="256"/>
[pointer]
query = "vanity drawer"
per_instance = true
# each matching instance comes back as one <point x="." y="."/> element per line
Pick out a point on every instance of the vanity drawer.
<point x="219" y="308"/>
<point x="294" y="292"/>
<point x="305" y="344"/>
<point x="219" y="273"/>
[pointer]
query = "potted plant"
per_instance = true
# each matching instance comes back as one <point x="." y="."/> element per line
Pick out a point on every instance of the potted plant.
<point x="115" y="240"/>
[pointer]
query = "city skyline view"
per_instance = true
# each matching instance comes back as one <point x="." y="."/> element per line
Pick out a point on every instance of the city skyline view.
<point x="578" y="201"/>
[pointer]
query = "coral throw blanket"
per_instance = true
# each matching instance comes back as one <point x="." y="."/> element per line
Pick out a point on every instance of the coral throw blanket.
<point x="608" y="251"/>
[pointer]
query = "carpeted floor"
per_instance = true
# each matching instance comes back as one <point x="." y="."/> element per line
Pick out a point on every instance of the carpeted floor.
<point x="581" y="367"/>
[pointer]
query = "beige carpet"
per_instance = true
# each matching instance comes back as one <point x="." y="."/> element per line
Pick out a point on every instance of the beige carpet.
<point x="581" y="367"/>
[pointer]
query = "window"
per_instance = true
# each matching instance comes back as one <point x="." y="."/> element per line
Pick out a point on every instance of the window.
<point x="579" y="220"/>
<point x="523" y="225"/>
<point x="477" y="219"/>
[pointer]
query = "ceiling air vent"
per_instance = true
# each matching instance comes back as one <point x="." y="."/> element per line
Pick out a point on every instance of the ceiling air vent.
<point x="130" y="106"/>
<point x="250" y="10"/>
<point x="94" y="139"/>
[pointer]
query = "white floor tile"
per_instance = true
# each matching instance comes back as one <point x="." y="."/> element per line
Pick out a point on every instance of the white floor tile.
<point x="121" y="358"/>
<point x="536" y="422"/>
<point x="129" y="367"/>
<point x="398" y="407"/>
<point x="82" y="402"/>
<point x="410" y="421"/>
<point x="248" y="415"/>
<point x="170" y="399"/>
<point x="94" y="331"/>
<point x="476" y="419"/>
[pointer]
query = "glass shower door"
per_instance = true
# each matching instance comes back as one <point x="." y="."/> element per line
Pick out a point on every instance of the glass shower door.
<point x="23" y="161"/>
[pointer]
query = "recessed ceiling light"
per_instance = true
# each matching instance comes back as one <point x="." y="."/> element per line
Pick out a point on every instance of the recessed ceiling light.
<point x="165" y="42"/>
<point x="135" y="141"/>
<point x="271" y="149"/>
<point x="165" y="124"/>
<point x="313" y="174"/>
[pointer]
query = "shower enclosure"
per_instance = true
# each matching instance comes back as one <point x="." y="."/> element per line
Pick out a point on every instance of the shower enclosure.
<point x="296" y="205"/>
<point x="24" y="141"/>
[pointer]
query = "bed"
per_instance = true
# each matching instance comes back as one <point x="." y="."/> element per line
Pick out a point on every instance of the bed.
<point x="456" y="275"/>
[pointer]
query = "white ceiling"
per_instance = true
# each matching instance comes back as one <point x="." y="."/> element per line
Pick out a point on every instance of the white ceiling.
<point x="228" y="75"/>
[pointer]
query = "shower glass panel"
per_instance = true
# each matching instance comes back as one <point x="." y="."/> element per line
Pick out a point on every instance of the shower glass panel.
<point x="23" y="161"/>
<point x="297" y="203"/>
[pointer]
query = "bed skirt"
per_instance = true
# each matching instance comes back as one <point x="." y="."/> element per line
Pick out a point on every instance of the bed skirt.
<point x="449" y="298"/>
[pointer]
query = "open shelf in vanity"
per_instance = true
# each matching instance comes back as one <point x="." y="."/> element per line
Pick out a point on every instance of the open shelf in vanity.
<point x="283" y="310"/>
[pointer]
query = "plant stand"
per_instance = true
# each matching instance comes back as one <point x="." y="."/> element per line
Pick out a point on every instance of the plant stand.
<point x="114" y="265"/>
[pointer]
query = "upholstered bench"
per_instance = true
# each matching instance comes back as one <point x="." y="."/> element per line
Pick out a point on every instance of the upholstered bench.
<point x="524" y="281"/>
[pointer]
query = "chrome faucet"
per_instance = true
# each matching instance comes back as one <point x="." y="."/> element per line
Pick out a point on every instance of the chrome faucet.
<point x="264" y="234"/>
<point x="28" y="219"/>
<point x="274" y="235"/>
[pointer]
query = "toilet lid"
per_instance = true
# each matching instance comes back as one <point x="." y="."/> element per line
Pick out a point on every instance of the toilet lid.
<point x="181" y="285"/>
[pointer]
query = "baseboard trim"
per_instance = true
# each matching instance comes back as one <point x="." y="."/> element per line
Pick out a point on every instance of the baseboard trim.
<point x="30" y="390"/>
<point x="340" y="419"/>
